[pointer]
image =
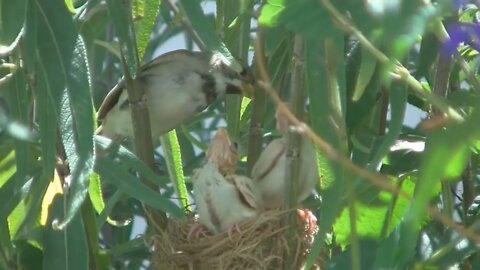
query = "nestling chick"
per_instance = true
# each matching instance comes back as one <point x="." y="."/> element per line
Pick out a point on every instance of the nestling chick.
<point x="224" y="199"/>
<point x="178" y="85"/>
<point x="269" y="171"/>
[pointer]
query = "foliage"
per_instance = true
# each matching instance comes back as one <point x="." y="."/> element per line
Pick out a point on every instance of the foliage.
<point x="70" y="200"/>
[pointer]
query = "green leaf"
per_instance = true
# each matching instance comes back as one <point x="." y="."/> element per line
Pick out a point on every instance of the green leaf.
<point x="368" y="250"/>
<point x="95" y="193"/>
<point x="367" y="68"/>
<point x="19" y="100"/>
<point x="50" y="40"/>
<point x="146" y="12"/>
<point x="427" y="55"/>
<point x="398" y="105"/>
<point x="11" y="194"/>
<point x="310" y="19"/>
<point x="203" y="27"/>
<point x="380" y="215"/>
<point x="112" y="201"/>
<point x="12" y="16"/>
<point x="398" y="249"/>
<point x="30" y="255"/>
<point x="270" y="13"/>
<point x="7" y="163"/>
<point x="66" y="248"/>
<point x="321" y="109"/>
<point x="70" y="6"/>
<point x="127" y="183"/>
<point x="27" y="213"/>
<point x="445" y="157"/>
<point x="76" y="126"/>
<point x="173" y="159"/>
<point x="129" y="159"/>
<point x="122" y="20"/>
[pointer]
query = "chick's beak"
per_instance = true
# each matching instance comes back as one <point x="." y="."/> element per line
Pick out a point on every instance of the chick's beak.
<point x="218" y="144"/>
<point x="221" y="153"/>
<point x="221" y="136"/>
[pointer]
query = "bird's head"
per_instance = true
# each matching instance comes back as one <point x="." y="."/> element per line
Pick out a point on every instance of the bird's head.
<point x="223" y="152"/>
<point x="237" y="77"/>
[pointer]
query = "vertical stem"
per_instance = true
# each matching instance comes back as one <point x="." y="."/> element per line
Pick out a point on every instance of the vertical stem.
<point x="338" y="111"/>
<point x="258" y="114"/>
<point x="297" y="102"/>
<point x="143" y="138"/>
<point x="239" y="46"/>
<point x="440" y="88"/>
<point x="468" y="178"/>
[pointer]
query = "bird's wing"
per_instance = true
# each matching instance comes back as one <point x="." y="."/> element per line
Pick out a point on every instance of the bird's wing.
<point x="110" y="100"/>
<point x="113" y="96"/>
<point x="168" y="57"/>
<point x="247" y="191"/>
<point x="268" y="159"/>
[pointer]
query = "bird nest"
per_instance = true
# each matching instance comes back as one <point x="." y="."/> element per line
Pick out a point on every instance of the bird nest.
<point x="261" y="243"/>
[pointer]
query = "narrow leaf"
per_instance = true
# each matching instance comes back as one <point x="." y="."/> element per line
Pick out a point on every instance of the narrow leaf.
<point x="77" y="129"/>
<point x="173" y="158"/>
<point x="367" y="68"/>
<point x="129" y="159"/>
<point x="119" y="12"/>
<point x="67" y="248"/>
<point x="203" y="27"/>
<point x="121" y="178"/>
<point x="146" y="13"/>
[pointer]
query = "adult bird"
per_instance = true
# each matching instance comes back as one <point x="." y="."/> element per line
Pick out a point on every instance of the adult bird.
<point x="178" y="85"/>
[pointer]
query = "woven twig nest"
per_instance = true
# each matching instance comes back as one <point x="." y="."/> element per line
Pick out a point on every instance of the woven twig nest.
<point x="259" y="244"/>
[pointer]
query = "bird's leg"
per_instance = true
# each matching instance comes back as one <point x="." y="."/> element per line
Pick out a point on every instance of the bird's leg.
<point x="231" y="230"/>
<point x="196" y="231"/>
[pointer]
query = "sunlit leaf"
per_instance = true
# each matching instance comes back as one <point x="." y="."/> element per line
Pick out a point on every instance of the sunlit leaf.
<point x="270" y="12"/>
<point x="173" y="159"/>
<point x="145" y="16"/>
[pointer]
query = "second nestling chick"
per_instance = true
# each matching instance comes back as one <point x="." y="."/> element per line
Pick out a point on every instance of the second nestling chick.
<point x="224" y="199"/>
<point x="270" y="168"/>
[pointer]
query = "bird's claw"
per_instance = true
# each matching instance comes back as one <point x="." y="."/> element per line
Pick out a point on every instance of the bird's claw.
<point x="235" y="227"/>
<point x="196" y="231"/>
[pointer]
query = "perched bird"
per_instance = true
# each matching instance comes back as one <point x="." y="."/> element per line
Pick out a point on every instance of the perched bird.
<point x="224" y="199"/>
<point x="269" y="171"/>
<point x="178" y="85"/>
